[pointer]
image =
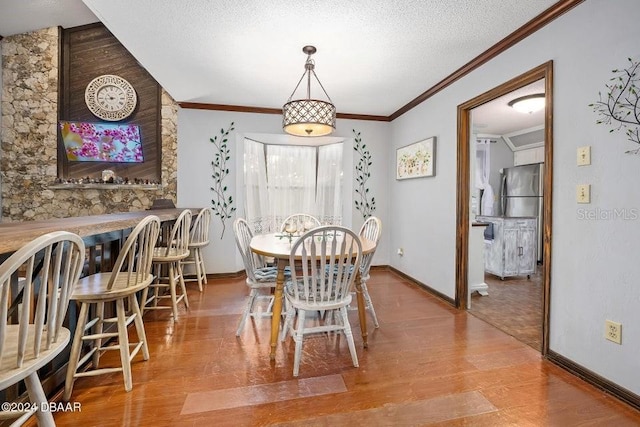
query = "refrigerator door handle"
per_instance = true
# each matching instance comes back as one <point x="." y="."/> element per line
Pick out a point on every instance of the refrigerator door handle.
<point x="503" y="196"/>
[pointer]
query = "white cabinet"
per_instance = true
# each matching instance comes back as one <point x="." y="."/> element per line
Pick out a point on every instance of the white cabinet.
<point x="528" y="156"/>
<point x="512" y="249"/>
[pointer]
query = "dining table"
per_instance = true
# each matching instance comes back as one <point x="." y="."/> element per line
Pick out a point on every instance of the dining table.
<point x="278" y="246"/>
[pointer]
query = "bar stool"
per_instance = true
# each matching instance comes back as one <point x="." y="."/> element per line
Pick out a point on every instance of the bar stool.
<point x="171" y="257"/>
<point x="131" y="273"/>
<point x="198" y="239"/>
<point x="52" y="262"/>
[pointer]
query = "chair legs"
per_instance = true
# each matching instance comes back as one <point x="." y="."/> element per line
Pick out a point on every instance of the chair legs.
<point x="249" y="308"/>
<point x="198" y="262"/>
<point x="298" y="337"/>
<point x="369" y="304"/>
<point x="83" y="333"/>
<point x="201" y="271"/>
<point x="349" y="335"/>
<point x="37" y="397"/>
<point x="336" y="320"/>
<point x="174" y="279"/>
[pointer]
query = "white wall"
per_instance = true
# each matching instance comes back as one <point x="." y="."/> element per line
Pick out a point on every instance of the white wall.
<point x="195" y="153"/>
<point x="595" y="270"/>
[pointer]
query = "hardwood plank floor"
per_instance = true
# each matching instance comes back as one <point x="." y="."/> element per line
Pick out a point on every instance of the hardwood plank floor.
<point x="427" y="364"/>
<point x="514" y="305"/>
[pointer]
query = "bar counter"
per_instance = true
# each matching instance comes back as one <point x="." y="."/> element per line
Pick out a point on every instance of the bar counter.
<point x="14" y="235"/>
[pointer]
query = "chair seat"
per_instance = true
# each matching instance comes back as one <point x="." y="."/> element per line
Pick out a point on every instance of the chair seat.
<point x="9" y="374"/>
<point x="94" y="287"/>
<point x="198" y="244"/>
<point x="270" y="274"/>
<point x="160" y="254"/>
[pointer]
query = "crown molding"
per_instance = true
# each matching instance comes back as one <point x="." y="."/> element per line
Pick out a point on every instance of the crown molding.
<point x="526" y="30"/>
<point x="262" y="110"/>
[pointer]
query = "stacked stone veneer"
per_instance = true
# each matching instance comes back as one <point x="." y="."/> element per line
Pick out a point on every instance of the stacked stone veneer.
<point x="28" y="150"/>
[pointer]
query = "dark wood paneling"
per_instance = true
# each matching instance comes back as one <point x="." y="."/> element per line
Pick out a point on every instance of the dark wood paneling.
<point x="90" y="51"/>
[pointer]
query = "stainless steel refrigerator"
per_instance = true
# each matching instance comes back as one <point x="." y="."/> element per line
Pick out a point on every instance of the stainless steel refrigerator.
<point x="521" y="194"/>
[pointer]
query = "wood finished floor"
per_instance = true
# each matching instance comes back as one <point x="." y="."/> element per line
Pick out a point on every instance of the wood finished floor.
<point x="427" y="364"/>
<point x="514" y="305"/>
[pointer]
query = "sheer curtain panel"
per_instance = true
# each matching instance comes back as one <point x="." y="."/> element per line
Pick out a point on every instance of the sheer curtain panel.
<point x="256" y="195"/>
<point x="329" y="188"/>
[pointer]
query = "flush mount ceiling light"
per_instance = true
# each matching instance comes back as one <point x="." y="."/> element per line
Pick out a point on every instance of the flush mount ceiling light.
<point x="308" y="117"/>
<point x="528" y="104"/>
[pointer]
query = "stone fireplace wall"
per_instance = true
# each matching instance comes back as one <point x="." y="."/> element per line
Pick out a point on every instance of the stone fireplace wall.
<point x="28" y="146"/>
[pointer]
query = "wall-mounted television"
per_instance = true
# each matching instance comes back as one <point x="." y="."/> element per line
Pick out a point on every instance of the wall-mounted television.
<point x="101" y="142"/>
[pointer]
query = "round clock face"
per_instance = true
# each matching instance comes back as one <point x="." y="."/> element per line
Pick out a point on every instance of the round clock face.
<point x="110" y="97"/>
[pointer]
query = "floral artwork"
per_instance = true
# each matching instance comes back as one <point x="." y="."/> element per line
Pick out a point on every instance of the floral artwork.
<point x="98" y="142"/>
<point x="416" y="160"/>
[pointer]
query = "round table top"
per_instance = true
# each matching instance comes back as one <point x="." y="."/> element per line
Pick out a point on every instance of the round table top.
<point x="277" y="245"/>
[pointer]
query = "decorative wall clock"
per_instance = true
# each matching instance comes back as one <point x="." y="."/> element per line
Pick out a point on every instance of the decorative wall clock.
<point x="110" y="97"/>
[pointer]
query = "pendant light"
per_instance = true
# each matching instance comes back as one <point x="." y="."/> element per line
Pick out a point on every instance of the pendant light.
<point x="308" y="117"/>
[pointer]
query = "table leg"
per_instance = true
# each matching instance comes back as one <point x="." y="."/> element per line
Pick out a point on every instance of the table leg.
<point x="277" y="307"/>
<point x="362" y="310"/>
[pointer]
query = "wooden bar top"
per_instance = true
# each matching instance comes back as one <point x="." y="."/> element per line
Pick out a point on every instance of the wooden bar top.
<point x="14" y="235"/>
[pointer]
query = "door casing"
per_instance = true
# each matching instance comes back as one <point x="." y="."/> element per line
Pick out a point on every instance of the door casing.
<point x="543" y="71"/>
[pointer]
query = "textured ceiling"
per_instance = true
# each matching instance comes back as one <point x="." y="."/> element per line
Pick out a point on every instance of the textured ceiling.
<point x="21" y="16"/>
<point x="374" y="56"/>
<point x="497" y="118"/>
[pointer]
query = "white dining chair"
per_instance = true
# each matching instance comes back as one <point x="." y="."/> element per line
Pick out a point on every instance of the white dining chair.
<point x="169" y="255"/>
<point x="131" y="273"/>
<point x="299" y="223"/>
<point x="372" y="230"/>
<point x="323" y="263"/>
<point x="261" y="278"/>
<point x="49" y="265"/>
<point x="198" y="239"/>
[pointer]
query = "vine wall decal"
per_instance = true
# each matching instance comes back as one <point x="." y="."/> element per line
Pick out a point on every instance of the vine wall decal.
<point x="222" y="204"/>
<point x="364" y="205"/>
<point x="620" y="107"/>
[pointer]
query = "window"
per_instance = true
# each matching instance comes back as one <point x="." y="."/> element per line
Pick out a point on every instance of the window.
<point x="281" y="180"/>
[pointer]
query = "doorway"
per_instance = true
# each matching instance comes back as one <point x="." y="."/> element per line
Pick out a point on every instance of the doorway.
<point x="464" y="193"/>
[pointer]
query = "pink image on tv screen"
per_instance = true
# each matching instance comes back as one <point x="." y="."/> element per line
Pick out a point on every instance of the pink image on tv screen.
<point x="101" y="142"/>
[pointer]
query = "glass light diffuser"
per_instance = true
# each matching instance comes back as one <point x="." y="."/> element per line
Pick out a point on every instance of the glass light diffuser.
<point x="528" y="104"/>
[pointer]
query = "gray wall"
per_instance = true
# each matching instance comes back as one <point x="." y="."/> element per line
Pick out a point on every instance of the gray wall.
<point x="595" y="270"/>
<point x="195" y="154"/>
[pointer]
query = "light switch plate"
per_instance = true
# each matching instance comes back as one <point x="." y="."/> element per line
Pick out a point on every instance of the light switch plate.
<point x="583" y="193"/>
<point x="584" y="155"/>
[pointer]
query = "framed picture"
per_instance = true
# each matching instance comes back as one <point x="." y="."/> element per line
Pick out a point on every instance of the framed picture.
<point x="416" y="160"/>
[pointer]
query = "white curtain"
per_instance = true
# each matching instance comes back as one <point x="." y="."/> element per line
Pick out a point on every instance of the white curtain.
<point x="291" y="181"/>
<point x="329" y="188"/>
<point x="483" y="169"/>
<point x="255" y="178"/>
<point x="281" y="180"/>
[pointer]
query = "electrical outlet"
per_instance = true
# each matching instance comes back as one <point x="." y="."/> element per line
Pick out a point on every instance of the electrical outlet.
<point x="583" y="193"/>
<point x="584" y="156"/>
<point x="613" y="331"/>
